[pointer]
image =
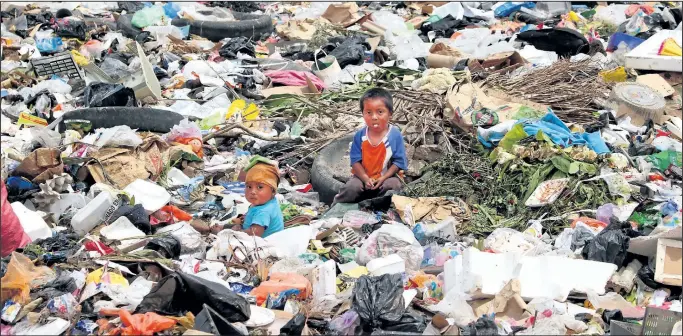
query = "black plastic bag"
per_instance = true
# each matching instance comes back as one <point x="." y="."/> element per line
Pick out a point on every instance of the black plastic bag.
<point x="483" y="326"/>
<point x="103" y="94"/>
<point x="646" y="274"/>
<point x="70" y="27"/>
<point x="168" y="246"/>
<point x="610" y="245"/>
<point x="565" y="42"/>
<point x="444" y="27"/>
<point x="295" y="326"/>
<point x="136" y="214"/>
<point x="580" y="237"/>
<point x="210" y="321"/>
<point x="409" y="323"/>
<point x="378" y="300"/>
<point x="130" y="6"/>
<point x="612" y="315"/>
<point x="351" y="51"/>
<point x="240" y="44"/>
<point x="178" y="293"/>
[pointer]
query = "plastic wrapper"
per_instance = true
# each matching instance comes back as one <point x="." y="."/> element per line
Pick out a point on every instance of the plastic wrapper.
<point x="356" y="219"/>
<point x="185" y="129"/>
<point x="503" y="240"/>
<point x="378" y="300"/>
<point x="117" y="136"/>
<point x="179" y="293"/>
<point x="405" y="47"/>
<point x="21" y="276"/>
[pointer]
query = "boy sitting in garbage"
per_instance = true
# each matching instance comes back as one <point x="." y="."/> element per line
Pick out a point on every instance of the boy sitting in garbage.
<point x="378" y="154"/>
<point x="264" y="216"/>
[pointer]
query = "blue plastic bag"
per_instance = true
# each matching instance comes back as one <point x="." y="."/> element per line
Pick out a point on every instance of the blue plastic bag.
<point x="49" y="45"/>
<point x="171" y="9"/>
<point x="508" y="8"/>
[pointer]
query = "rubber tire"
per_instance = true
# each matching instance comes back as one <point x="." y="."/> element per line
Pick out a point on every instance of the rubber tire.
<point x="142" y="119"/>
<point x="323" y="169"/>
<point x="249" y="25"/>
<point x="126" y="26"/>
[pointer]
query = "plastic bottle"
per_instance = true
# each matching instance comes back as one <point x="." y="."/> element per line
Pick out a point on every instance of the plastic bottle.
<point x="92" y="213"/>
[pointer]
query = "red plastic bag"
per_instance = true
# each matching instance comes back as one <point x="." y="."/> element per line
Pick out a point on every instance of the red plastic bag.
<point x="278" y="282"/>
<point x="144" y="324"/>
<point x="11" y="232"/>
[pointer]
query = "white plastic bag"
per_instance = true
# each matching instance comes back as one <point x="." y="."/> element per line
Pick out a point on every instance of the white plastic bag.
<point x="185" y="129"/>
<point x="121" y="135"/>
<point x="191" y="241"/>
<point x="503" y="240"/>
<point x="390" y="239"/>
<point x="406" y="46"/>
<point x="454" y="305"/>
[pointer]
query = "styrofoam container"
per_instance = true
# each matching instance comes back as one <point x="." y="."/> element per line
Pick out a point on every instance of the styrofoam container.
<point x="76" y="201"/>
<point x="645" y="57"/>
<point x="34" y="225"/>
<point x="150" y="195"/>
<point x="390" y="264"/>
<point x="92" y="213"/>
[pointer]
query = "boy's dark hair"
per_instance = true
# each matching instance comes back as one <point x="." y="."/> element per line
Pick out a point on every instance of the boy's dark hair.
<point x="378" y="93"/>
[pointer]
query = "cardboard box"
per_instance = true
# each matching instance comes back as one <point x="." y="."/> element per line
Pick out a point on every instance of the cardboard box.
<point x="668" y="262"/>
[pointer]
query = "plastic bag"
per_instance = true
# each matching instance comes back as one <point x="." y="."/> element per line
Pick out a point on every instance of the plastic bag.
<point x="179" y="292"/>
<point x="295" y="326"/>
<point x="117" y="136"/>
<point x="103" y="94"/>
<point x="485" y="325"/>
<point x="610" y="245"/>
<point x="390" y="239"/>
<point x="144" y="324"/>
<point x="390" y="21"/>
<point x="378" y="300"/>
<point x="168" y="246"/>
<point x="53" y="86"/>
<point x="49" y="45"/>
<point x="455" y="305"/>
<point x="149" y="16"/>
<point x="405" y="47"/>
<point x="113" y="68"/>
<point x="185" y="129"/>
<point x="356" y="219"/>
<point x="71" y="27"/>
<point x="161" y="33"/>
<point x="236" y="45"/>
<point x="21" y="277"/>
<point x="346" y="324"/>
<point x="351" y="51"/>
<point x="278" y="282"/>
<point x="503" y="240"/>
<point x="13" y="235"/>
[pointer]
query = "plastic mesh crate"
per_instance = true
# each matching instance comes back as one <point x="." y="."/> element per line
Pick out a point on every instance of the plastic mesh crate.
<point x="61" y="64"/>
<point x="659" y="321"/>
<point x="624" y="328"/>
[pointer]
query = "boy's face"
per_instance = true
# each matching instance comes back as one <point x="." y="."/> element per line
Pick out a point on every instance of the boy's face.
<point x="376" y="114"/>
<point x="258" y="193"/>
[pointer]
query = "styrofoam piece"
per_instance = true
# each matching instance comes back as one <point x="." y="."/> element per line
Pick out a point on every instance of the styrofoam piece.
<point x="645" y="56"/>
<point x="145" y="82"/>
<point x="34" y="225"/>
<point x="122" y="228"/>
<point x="325" y="279"/>
<point x="152" y="196"/>
<point x="390" y="264"/>
<point x="543" y="276"/>
<point x="92" y="213"/>
<point x="65" y="201"/>
<point x="175" y="177"/>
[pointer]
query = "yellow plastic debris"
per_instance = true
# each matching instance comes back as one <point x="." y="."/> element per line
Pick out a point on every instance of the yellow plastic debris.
<point x="80" y="59"/>
<point x="670" y="48"/>
<point x="617" y="75"/>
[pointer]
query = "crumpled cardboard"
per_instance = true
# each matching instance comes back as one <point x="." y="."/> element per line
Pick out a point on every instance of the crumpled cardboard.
<point x="429" y="208"/>
<point x="40" y="165"/>
<point x="500" y="63"/>
<point x="117" y="166"/>
<point x="345" y="14"/>
<point x="297" y="29"/>
<point x="507" y="303"/>
<point x="154" y="152"/>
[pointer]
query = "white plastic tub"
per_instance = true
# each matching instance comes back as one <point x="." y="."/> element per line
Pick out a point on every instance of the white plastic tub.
<point x="92" y="213"/>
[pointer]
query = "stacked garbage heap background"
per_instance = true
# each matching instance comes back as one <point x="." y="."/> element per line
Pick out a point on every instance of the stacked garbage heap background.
<point x="543" y="193"/>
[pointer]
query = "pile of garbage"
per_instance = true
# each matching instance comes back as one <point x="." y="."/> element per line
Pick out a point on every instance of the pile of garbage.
<point x="542" y="193"/>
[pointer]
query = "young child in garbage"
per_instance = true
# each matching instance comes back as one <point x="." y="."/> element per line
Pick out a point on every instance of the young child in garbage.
<point x="378" y="153"/>
<point x="264" y="216"/>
